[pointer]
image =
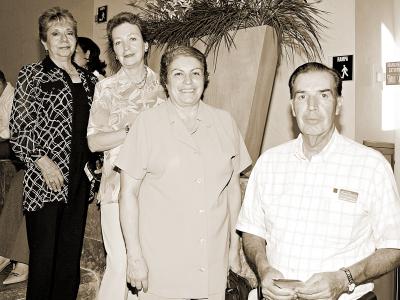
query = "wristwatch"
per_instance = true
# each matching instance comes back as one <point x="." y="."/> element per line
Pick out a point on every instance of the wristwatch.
<point x="352" y="285"/>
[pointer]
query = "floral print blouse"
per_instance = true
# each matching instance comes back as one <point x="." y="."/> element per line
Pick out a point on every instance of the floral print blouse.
<point x="117" y="102"/>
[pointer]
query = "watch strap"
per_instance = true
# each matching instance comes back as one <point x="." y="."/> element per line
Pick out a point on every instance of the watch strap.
<point x="352" y="283"/>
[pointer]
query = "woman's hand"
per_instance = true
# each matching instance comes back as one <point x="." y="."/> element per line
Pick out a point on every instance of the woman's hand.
<point x="51" y="173"/>
<point x="137" y="273"/>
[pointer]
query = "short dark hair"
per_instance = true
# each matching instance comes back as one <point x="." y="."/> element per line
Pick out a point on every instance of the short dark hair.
<point x="94" y="63"/>
<point x="51" y="15"/>
<point x="315" y="67"/>
<point x="169" y="56"/>
<point x="2" y="78"/>
<point x="121" y="18"/>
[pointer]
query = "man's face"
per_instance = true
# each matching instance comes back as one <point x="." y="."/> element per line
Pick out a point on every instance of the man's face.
<point x="315" y="104"/>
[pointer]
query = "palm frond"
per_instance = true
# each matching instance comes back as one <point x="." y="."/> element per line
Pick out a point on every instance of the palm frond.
<point x="298" y="24"/>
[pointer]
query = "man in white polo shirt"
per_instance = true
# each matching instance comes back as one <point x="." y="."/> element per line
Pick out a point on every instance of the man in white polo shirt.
<point x="321" y="209"/>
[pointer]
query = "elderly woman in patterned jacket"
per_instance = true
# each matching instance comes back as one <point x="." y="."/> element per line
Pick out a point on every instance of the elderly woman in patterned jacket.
<point x="118" y="100"/>
<point x="48" y="133"/>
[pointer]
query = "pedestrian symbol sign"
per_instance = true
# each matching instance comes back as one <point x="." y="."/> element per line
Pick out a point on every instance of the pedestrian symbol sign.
<point x="344" y="65"/>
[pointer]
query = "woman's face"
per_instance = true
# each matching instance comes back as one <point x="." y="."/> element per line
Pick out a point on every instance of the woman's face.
<point x="185" y="80"/>
<point x="128" y="45"/>
<point x="80" y="57"/>
<point x="61" y="41"/>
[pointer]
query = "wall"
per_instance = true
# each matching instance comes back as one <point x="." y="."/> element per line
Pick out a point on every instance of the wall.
<point x="279" y="125"/>
<point x="19" y="30"/>
<point x="373" y="48"/>
<point x="376" y="103"/>
<point x="396" y="17"/>
<point x="340" y="19"/>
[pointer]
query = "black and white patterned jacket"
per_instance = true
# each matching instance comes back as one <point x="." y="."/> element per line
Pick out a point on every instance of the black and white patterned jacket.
<point x="41" y="124"/>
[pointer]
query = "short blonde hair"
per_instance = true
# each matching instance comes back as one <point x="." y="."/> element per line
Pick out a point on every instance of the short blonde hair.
<point x="54" y="14"/>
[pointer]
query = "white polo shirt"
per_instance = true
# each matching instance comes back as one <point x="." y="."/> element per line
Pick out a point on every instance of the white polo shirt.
<point x="322" y="214"/>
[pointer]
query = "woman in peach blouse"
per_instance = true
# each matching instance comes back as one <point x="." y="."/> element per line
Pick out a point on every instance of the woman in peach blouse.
<point x="118" y="100"/>
<point x="180" y="192"/>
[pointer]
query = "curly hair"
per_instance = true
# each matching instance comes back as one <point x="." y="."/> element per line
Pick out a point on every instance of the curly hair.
<point x="172" y="53"/>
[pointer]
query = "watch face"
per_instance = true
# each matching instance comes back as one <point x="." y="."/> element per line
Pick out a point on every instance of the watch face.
<point x="352" y="286"/>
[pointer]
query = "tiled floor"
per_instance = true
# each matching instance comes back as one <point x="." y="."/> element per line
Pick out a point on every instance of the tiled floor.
<point x="87" y="288"/>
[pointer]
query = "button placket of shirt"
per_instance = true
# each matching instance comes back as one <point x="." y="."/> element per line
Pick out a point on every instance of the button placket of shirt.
<point x="202" y="213"/>
<point x="309" y="180"/>
<point x="203" y="262"/>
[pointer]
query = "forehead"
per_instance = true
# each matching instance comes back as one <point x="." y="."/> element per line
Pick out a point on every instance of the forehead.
<point x="314" y="81"/>
<point x="63" y="23"/>
<point x="125" y="29"/>
<point x="185" y="62"/>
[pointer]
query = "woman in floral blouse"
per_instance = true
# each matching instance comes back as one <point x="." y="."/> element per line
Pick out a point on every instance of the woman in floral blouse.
<point x="117" y="102"/>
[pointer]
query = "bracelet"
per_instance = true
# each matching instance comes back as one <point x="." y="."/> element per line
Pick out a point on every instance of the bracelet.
<point x="127" y="129"/>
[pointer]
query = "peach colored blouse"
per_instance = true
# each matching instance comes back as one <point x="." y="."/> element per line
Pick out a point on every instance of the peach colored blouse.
<point x="184" y="224"/>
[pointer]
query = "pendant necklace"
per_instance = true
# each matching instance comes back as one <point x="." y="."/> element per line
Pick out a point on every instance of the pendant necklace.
<point x="140" y="84"/>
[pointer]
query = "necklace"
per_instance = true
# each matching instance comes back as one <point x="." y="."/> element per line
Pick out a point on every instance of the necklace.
<point x="139" y="84"/>
<point x="71" y="71"/>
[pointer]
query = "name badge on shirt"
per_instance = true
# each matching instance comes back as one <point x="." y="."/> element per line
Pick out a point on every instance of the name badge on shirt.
<point x="346" y="195"/>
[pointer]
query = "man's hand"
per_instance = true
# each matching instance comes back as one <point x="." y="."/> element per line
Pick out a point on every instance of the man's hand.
<point x="323" y="286"/>
<point x="51" y="173"/>
<point x="137" y="273"/>
<point x="270" y="290"/>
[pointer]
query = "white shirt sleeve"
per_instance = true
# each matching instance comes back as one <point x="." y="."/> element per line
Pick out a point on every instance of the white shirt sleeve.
<point x="251" y="218"/>
<point x="384" y="208"/>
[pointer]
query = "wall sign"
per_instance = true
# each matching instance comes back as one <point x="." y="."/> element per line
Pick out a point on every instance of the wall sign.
<point x="393" y="73"/>
<point x="101" y="16"/>
<point x="344" y="65"/>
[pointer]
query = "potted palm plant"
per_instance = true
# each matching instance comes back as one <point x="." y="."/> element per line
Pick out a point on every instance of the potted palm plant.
<point x="243" y="41"/>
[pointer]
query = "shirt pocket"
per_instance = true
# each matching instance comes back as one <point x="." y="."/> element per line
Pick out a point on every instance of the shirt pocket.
<point x="344" y="212"/>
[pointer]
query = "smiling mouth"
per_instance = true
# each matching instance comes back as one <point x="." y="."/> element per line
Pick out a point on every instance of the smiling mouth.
<point x="187" y="91"/>
<point x="129" y="55"/>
